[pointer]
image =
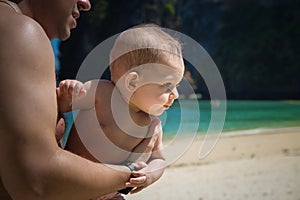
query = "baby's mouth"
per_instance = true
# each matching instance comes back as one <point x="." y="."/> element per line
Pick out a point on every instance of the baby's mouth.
<point x="167" y="106"/>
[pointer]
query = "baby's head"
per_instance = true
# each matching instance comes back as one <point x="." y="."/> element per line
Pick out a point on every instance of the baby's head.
<point x="146" y="64"/>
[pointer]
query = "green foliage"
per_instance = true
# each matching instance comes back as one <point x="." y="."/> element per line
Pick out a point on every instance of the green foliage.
<point x="255" y="43"/>
<point x="259" y="50"/>
<point x="170" y="7"/>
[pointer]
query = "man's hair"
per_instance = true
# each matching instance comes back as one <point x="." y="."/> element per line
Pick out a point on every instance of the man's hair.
<point x="141" y="44"/>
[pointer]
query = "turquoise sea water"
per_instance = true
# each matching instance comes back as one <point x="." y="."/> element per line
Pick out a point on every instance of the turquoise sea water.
<point x="240" y="115"/>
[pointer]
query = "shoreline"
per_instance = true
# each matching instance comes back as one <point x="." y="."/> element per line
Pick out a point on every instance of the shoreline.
<point x="262" y="130"/>
<point x="252" y="164"/>
<point x="242" y="144"/>
<point x="232" y="133"/>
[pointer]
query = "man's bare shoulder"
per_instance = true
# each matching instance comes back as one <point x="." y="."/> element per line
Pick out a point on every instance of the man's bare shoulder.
<point x="20" y="33"/>
<point x="25" y="48"/>
<point x="12" y="22"/>
<point x="27" y="67"/>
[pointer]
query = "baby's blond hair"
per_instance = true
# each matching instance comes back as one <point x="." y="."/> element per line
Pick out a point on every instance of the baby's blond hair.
<point x="142" y="44"/>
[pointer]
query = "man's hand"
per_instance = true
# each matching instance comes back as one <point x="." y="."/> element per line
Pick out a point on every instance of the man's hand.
<point x="139" y="181"/>
<point x="60" y="130"/>
<point x="146" y="174"/>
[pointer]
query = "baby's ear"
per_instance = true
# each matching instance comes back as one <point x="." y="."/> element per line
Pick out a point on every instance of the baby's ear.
<point x="131" y="81"/>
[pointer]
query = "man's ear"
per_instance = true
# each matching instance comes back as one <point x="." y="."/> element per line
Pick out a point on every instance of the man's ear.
<point x="131" y="81"/>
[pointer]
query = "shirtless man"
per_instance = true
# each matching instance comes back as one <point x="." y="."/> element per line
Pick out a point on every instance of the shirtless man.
<point x="32" y="166"/>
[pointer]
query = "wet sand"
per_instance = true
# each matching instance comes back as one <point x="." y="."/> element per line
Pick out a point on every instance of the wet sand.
<point x="255" y="164"/>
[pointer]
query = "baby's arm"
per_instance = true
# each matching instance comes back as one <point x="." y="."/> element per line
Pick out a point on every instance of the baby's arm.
<point x="74" y="95"/>
<point x="155" y="166"/>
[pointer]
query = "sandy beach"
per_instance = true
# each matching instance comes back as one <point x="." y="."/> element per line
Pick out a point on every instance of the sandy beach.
<point x="255" y="164"/>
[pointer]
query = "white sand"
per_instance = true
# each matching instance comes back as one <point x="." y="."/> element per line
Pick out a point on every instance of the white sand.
<point x="251" y="166"/>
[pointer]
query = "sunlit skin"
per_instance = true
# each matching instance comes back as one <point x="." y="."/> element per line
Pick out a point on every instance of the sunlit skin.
<point x="56" y="17"/>
<point x="32" y="165"/>
<point x="157" y="90"/>
<point x="151" y="90"/>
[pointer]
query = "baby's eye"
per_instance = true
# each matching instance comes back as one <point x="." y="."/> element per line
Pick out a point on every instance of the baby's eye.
<point x="170" y="86"/>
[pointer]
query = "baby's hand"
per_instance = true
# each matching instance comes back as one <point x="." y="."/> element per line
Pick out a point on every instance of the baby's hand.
<point x="67" y="90"/>
<point x="71" y="88"/>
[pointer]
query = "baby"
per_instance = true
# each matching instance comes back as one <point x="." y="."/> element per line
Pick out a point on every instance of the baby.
<point x="146" y="65"/>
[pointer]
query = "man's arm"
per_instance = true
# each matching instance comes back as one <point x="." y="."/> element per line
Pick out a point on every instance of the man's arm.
<point x="32" y="165"/>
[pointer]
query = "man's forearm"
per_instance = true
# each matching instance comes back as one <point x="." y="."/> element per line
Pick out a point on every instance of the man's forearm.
<point x="93" y="179"/>
<point x="65" y="176"/>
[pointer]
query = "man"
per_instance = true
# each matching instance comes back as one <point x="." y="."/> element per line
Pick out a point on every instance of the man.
<point x="32" y="166"/>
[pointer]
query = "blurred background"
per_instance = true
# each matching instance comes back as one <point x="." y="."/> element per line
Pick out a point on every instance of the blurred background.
<point x="254" y="43"/>
<point x="256" y="47"/>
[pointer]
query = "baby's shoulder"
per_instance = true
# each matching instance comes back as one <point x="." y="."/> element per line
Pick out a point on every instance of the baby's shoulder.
<point x="104" y="91"/>
<point x="105" y="85"/>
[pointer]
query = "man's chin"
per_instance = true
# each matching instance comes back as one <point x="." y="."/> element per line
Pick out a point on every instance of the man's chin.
<point x="65" y="35"/>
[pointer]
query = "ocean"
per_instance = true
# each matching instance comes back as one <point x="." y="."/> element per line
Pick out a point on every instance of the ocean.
<point x="188" y="116"/>
<point x="195" y="117"/>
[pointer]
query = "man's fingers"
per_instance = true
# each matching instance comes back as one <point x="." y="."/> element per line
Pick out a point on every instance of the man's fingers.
<point x="58" y="91"/>
<point x="136" y="190"/>
<point x="137" y="174"/>
<point x="60" y="129"/>
<point x="138" y="180"/>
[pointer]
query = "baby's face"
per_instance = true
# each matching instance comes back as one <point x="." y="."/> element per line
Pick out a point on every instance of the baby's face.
<point x="157" y="83"/>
